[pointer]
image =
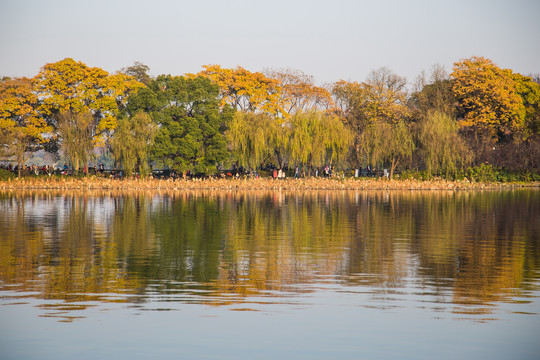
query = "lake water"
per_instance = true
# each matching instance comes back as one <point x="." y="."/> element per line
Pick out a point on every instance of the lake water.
<point x="266" y="275"/>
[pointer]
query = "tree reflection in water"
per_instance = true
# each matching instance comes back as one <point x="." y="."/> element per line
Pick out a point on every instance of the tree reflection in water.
<point x="471" y="249"/>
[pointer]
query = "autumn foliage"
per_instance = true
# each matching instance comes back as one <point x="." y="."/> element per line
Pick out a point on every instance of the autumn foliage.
<point x="488" y="97"/>
<point x="219" y="117"/>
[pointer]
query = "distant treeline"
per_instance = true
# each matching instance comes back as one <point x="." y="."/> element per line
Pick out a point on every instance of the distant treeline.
<point x="442" y="125"/>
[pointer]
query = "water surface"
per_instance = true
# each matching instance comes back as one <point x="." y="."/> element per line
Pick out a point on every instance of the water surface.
<point x="219" y="275"/>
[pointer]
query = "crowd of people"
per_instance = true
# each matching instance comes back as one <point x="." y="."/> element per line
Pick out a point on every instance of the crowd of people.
<point x="29" y="169"/>
<point x="50" y="169"/>
<point x="237" y="171"/>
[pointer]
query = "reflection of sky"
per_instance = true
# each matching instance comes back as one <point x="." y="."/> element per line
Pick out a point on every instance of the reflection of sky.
<point x="324" y="325"/>
<point x="99" y="209"/>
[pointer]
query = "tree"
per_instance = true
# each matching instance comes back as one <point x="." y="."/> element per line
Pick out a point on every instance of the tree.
<point x="132" y="140"/>
<point x="139" y="72"/>
<point x="434" y="93"/>
<point x="245" y="90"/>
<point x="488" y="99"/>
<point x="529" y="91"/>
<point x="298" y="91"/>
<point x="386" y="96"/>
<point x="387" y="143"/>
<point x="381" y="99"/>
<point x="350" y="99"/>
<point x="316" y="138"/>
<point x="191" y="123"/>
<point x="253" y="137"/>
<point x="75" y="130"/>
<point x="72" y="86"/>
<point x="443" y="149"/>
<point x="22" y="130"/>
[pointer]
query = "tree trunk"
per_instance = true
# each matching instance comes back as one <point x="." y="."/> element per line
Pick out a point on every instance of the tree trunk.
<point x="393" y="167"/>
<point x="278" y="156"/>
<point x="20" y="161"/>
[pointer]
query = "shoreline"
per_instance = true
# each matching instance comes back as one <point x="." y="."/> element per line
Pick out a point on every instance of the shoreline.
<point x="265" y="184"/>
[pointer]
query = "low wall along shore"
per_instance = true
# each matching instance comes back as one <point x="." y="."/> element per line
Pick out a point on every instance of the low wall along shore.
<point x="93" y="182"/>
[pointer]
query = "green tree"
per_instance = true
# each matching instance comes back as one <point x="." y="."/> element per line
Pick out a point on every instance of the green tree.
<point x="75" y="130"/>
<point x="132" y="140"/>
<point x="253" y="137"/>
<point x="191" y="123"/>
<point x="317" y="138"/>
<point x="139" y="72"/>
<point x="443" y="149"/>
<point x="387" y="143"/>
<point x="529" y="90"/>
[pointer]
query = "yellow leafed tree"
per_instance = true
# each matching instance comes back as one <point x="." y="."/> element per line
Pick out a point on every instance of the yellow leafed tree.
<point x="298" y="91"/>
<point x="22" y="130"/>
<point x="71" y="86"/>
<point x="488" y="99"/>
<point x="245" y="90"/>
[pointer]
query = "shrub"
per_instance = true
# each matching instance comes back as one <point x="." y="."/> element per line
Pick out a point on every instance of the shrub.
<point x="482" y="173"/>
<point x="5" y="175"/>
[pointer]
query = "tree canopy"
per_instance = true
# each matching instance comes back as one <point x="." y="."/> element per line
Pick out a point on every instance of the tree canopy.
<point x="72" y="86"/>
<point x="245" y="90"/>
<point x="478" y="114"/>
<point x="191" y="122"/>
<point x="22" y="130"/>
<point x="488" y="98"/>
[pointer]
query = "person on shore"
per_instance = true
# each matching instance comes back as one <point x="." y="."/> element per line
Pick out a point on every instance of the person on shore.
<point x="275" y="174"/>
<point x="297" y="173"/>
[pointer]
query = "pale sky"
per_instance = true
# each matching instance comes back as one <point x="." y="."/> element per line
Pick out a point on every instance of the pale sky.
<point x="331" y="40"/>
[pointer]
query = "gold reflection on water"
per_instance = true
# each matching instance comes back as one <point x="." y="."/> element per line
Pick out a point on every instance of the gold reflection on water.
<point x="473" y="249"/>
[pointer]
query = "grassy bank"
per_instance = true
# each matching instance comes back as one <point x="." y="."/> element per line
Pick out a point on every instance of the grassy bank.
<point x="93" y="182"/>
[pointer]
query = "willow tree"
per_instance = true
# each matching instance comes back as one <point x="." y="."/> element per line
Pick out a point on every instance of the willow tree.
<point x="75" y="130"/>
<point x="132" y="140"/>
<point x="387" y="143"/>
<point x="254" y="137"/>
<point x="442" y="148"/>
<point x="317" y="138"/>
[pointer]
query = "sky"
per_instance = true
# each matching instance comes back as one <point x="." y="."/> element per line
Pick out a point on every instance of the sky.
<point x="331" y="40"/>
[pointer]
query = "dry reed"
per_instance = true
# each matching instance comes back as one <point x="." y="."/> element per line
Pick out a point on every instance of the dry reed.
<point x="96" y="183"/>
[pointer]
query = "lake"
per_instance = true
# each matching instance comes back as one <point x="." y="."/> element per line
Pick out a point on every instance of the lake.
<point x="266" y="275"/>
